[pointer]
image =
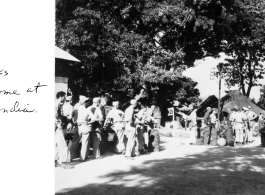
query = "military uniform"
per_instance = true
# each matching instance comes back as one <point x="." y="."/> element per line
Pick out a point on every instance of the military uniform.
<point x="207" y="129"/>
<point x="213" y="130"/>
<point x="116" y="116"/>
<point x="95" y="134"/>
<point x="238" y="120"/>
<point x="142" y="131"/>
<point x="130" y="132"/>
<point x="84" y="129"/>
<point x="251" y="116"/>
<point x="193" y="126"/>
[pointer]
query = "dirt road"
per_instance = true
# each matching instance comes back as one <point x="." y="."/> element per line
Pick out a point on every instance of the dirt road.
<point x="178" y="169"/>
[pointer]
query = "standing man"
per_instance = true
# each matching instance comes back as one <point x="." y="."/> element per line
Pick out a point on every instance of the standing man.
<point x="246" y="124"/>
<point x="193" y="125"/>
<point x="251" y="116"/>
<point x="230" y="130"/>
<point x="85" y="119"/>
<point x="231" y="119"/>
<point x="68" y="110"/>
<point x="96" y="127"/>
<point x="142" y="128"/>
<point x="130" y="130"/>
<point x="116" y="116"/>
<point x="207" y="123"/>
<point x="213" y="130"/>
<point x="238" y="120"/>
<point x="62" y="153"/>
<point x="157" y="116"/>
<point x="60" y="99"/>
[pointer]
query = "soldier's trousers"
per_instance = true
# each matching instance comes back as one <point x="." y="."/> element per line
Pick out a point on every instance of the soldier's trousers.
<point x="130" y="132"/>
<point x="95" y="136"/>
<point x="120" y="142"/>
<point x="62" y="152"/>
<point x="84" y="132"/>
<point x="239" y="132"/>
<point x="75" y="142"/>
<point x="250" y="132"/>
<point x="140" y="137"/>
<point x="193" y="132"/>
<point x="214" y="135"/>
<point x="206" y="135"/>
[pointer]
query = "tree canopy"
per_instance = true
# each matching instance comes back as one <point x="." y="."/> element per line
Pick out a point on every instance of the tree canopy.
<point x="124" y="45"/>
<point x="245" y="43"/>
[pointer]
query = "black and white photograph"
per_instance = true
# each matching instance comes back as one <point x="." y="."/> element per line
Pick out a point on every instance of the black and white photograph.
<point x="159" y="97"/>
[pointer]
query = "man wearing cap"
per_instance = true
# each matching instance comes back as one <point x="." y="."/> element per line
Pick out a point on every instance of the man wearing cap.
<point x="130" y="130"/>
<point x="85" y="119"/>
<point x="116" y="116"/>
<point x="76" y="138"/>
<point x="251" y="117"/>
<point x="238" y="120"/>
<point x="142" y="127"/>
<point x="96" y="127"/>
<point x="213" y="124"/>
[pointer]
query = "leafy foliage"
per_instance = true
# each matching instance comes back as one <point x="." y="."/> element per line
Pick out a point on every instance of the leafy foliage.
<point x="124" y="45"/>
<point x="245" y="43"/>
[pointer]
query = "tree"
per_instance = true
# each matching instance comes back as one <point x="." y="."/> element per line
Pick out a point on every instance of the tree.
<point x="261" y="102"/>
<point x="245" y="44"/>
<point x="124" y="45"/>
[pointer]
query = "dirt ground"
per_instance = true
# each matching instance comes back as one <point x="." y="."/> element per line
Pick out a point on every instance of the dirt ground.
<point x="178" y="169"/>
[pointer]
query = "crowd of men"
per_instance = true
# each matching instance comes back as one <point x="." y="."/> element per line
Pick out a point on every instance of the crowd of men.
<point x="238" y="126"/>
<point x="85" y="121"/>
<point x="242" y="122"/>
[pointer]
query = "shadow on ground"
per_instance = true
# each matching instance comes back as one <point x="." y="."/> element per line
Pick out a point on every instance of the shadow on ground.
<point x="216" y="171"/>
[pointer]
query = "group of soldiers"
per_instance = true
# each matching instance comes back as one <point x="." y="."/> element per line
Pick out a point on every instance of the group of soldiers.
<point x="85" y="121"/>
<point x="242" y="122"/>
<point x="240" y="130"/>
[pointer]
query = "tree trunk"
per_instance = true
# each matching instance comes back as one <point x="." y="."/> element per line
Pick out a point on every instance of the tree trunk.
<point x="162" y="100"/>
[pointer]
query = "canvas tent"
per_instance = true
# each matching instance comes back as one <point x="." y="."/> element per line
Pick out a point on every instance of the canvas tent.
<point x="238" y="99"/>
<point x="231" y="99"/>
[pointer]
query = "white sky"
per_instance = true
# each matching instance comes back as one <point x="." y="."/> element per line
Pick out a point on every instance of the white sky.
<point x="207" y="87"/>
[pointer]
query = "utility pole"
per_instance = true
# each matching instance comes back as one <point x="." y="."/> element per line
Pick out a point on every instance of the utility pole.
<point x="213" y="73"/>
<point x="220" y="69"/>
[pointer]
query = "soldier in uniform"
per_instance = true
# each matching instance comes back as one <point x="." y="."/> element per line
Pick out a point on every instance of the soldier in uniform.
<point x="84" y="121"/>
<point x="213" y="124"/>
<point x="246" y="124"/>
<point x="141" y="127"/>
<point x="96" y="128"/>
<point x="193" y="125"/>
<point x="62" y="153"/>
<point x="130" y="130"/>
<point x="238" y="120"/>
<point x="116" y="116"/>
<point x="251" y="116"/>
<point x="207" y="129"/>
<point x="231" y="119"/>
<point x="230" y="128"/>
